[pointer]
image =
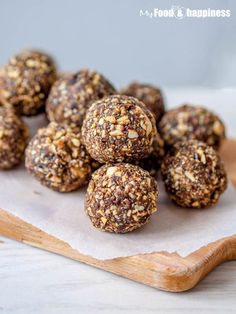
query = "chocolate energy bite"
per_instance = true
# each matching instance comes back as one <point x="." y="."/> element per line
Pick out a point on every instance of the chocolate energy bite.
<point x="26" y="80"/>
<point x="121" y="198"/>
<point x="119" y="128"/>
<point x="189" y="122"/>
<point x="72" y="95"/>
<point x="193" y="174"/>
<point x="153" y="162"/>
<point x="13" y="138"/>
<point x="58" y="159"/>
<point x="150" y="95"/>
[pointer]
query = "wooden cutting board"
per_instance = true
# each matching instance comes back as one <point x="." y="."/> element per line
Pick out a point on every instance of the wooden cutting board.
<point x="162" y="270"/>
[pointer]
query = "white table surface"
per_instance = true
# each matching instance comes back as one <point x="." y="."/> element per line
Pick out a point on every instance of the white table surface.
<point x="35" y="281"/>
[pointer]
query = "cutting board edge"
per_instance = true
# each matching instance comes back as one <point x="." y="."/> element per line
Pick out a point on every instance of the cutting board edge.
<point x="162" y="270"/>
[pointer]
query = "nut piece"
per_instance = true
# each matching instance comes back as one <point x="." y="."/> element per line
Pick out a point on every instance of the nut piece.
<point x="26" y="80"/>
<point x="188" y="122"/>
<point x="128" y="136"/>
<point x="150" y="95"/>
<point x="72" y="95"/>
<point x="13" y="138"/>
<point x="58" y="159"/>
<point x="193" y="174"/>
<point x="121" y="198"/>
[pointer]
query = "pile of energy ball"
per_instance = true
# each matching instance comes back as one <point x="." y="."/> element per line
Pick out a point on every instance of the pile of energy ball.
<point x="116" y="141"/>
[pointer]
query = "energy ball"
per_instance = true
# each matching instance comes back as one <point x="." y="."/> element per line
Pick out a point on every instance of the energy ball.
<point x="13" y="138"/>
<point x="121" y="198"/>
<point x="72" y="95"/>
<point x="58" y="159"/>
<point x="189" y="122"/>
<point x="153" y="162"/>
<point x="150" y="95"/>
<point x="119" y="128"/>
<point x="26" y="80"/>
<point x="193" y="174"/>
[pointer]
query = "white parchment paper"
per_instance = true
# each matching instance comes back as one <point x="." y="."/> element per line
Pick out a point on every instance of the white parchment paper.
<point x="62" y="215"/>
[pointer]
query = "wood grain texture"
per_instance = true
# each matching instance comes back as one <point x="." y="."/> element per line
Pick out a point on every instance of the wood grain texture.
<point x="166" y="271"/>
<point x="46" y="283"/>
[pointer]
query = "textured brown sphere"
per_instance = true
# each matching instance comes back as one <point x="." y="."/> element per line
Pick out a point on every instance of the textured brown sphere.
<point x="189" y="122"/>
<point x="153" y="162"/>
<point x="119" y="128"/>
<point x="150" y="95"/>
<point x="13" y="138"/>
<point x="72" y="95"/>
<point x="58" y="159"/>
<point x="26" y="80"/>
<point x="121" y="198"/>
<point x="193" y="174"/>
